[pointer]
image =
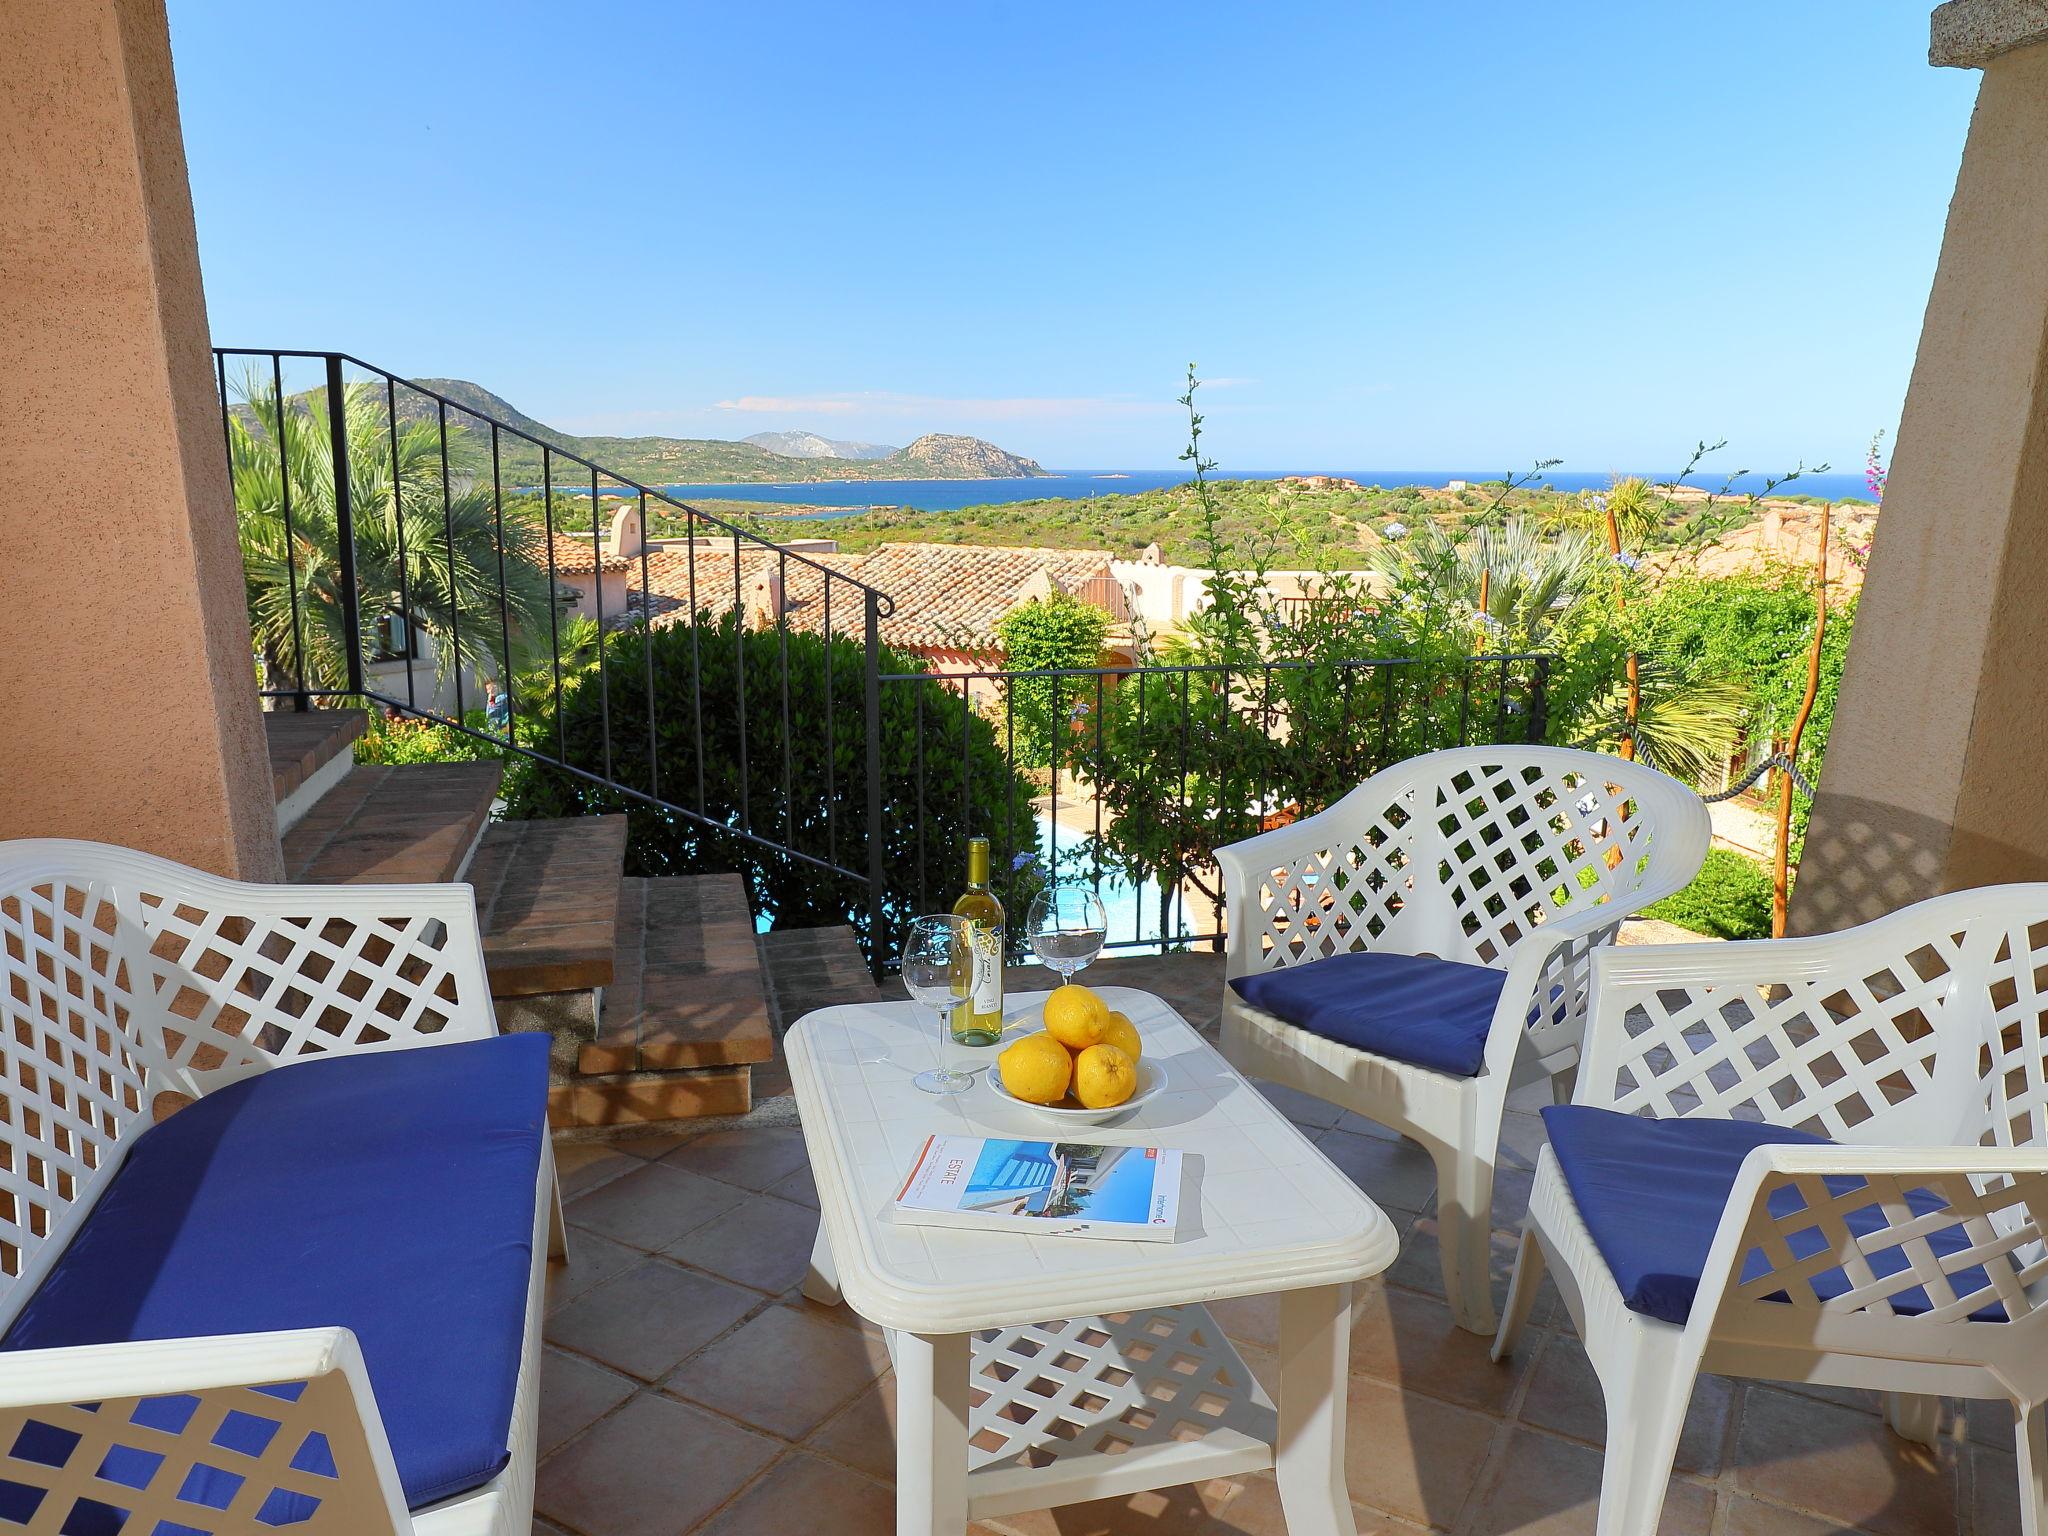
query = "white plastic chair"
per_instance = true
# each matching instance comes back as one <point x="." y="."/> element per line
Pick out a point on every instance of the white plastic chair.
<point x="1919" y="1043"/>
<point x="1520" y="858"/>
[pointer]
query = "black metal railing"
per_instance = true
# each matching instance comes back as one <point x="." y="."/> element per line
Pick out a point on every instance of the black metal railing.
<point x="349" y="460"/>
<point x="1129" y="777"/>
<point x="405" y="549"/>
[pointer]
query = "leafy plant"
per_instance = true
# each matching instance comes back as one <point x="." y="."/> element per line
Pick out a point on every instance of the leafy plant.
<point x="1051" y="633"/>
<point x="435" y="559"/>
<point x="1730" y="898"/>
<point x="718" y="738"/>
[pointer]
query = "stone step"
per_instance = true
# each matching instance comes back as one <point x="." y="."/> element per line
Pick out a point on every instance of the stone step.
<point x="547" y="897"/>
<point x="309" y="754"/>
<point x="687" y="991"/>
<point x="415" y="824"/>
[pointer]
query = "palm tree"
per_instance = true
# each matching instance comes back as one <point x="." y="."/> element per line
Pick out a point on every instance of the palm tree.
<point x="1528" y="579"/>
<point x="434" y="559"/>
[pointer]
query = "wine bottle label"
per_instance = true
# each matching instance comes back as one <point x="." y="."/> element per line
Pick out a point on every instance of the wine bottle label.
<point x="985" y="998"/>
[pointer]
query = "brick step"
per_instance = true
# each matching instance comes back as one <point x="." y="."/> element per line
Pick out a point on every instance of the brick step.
<point x="811" y="968"/>
<point x="404" y="825"/>
<point x="626" y="1099"/>
<point x="310" y="753"/>
<point x="687" y="991"/>
<point x="547" y="897"/>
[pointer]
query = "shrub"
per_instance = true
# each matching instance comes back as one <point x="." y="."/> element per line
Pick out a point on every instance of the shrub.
<point x="1048" y="634"/>
<point x="1730" y="898"/>
<point x="404" y="741"/>
<point x="968" y="787"/>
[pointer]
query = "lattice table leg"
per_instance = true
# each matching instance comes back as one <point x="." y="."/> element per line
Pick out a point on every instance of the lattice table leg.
<point x="1315" y="1367"/>
<point x="931" y="1433"/>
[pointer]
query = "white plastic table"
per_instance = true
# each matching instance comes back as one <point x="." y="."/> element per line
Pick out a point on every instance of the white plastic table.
<point x="1134" y="1386"/>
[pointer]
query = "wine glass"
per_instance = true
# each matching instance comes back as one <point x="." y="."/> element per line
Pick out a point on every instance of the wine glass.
<point x="938" y="961"/>
<point x="1067" y="925"/>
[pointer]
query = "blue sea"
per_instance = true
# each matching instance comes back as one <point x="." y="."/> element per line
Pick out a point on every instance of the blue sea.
<point x="845" y="498"/>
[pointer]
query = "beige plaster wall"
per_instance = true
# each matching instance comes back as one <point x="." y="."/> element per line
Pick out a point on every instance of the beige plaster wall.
<point x="1937" y="767"/>
<point x="126" y="688"/>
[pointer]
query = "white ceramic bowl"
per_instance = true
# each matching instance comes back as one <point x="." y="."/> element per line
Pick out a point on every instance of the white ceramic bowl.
<point x="1151" y="1081"/>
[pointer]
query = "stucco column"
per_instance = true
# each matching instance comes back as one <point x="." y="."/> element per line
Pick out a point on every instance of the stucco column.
<point x="127" y="697"/>
<point x="1936" y="775"/>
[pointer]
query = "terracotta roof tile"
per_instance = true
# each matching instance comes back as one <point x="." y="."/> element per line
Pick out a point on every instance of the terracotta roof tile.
<point x="946" y="595"/>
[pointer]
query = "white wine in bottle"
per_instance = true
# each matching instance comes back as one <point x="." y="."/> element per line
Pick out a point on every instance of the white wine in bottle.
<point x="980" y="1021"/>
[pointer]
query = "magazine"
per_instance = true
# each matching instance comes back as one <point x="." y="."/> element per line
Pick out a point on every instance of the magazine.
<point x="1046" y="1188"/>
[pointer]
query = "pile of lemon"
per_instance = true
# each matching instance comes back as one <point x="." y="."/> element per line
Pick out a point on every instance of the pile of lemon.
<point x="1087" y="1050"/>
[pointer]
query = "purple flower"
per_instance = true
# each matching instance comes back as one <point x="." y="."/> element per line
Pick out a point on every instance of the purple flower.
<point x="1022" y="861"/>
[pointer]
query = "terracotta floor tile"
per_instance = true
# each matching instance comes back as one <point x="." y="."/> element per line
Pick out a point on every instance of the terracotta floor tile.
<point x="753" y="1158"/>
<point x="1412" y="1456"/>
<point x="1565" y="1396"/>
<point x="643" y="1321"/>
<point x="583" y="1165"/>
<point x="652" y="1206"/>
<point x="574" y="1394"/>
<point x="654" y="1468"/>
<point x="1214" y="1508"/>
<point x="1990" y="1423"/>
<point x="1420" y="1268"/>
<point x="1994" y="1493"/>
<point x="1397" y="1174"/>
<point x="800" y="1187"/>
<point x="1408" y="1340"/>
<point x="801" y="1493"/>
<point x="1551" y="1487"/>
<point x="649" y="1147"/>
<point x="1753" y="1517"/>
<point x="783" y="1372"/>
<point x="762" y="1242"/>
<point x="863" y="1433"/>
<point x="1841" y="1465"/>
<point x="1249" y="1319"/>
<point x="1521" y="1137"/>
<point x="592" y="1261"/>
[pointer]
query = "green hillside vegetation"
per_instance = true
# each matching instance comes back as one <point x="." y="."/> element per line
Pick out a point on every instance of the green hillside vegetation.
<point x="699" y="460"/>
<point x="1301" y="526"/>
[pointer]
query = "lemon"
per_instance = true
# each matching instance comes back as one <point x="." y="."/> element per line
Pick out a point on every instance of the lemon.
<point x="1104" y="1076"/>
<point x="1075" y="1016"/>
<point x="1037" y="1069"/>
<point x="1123" y="1034"/>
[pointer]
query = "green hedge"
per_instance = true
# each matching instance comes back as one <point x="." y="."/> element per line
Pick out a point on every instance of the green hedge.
<point x="1730" y="898"/>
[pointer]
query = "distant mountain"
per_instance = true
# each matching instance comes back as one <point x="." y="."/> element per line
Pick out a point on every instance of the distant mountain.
<point x="809" y="445"/>
<point x="943" y="456"/>
<point x="705" y="461"/>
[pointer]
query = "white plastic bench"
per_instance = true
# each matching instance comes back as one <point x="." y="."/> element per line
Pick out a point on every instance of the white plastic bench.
<point x="128" y="983"/>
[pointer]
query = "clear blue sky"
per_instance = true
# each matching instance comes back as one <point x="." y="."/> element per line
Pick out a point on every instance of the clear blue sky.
<point x="1393" y="235"/>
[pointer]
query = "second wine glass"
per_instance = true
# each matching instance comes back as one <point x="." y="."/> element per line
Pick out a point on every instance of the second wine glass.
<point x="938" y="966"/>
<point x="1067" y="926"/>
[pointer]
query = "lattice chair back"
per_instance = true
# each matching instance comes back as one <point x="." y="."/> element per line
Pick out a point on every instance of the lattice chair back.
<point x="72" y="1084"/>
<point x="1461" y="853"/>
<point x="1926" y="1029"/>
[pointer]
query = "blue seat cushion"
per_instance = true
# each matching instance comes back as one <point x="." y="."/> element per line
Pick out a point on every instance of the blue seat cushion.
<point x="1651" y="1193"/>
<point x="391" y="1193"/>
<point x="1414" y="1008"/>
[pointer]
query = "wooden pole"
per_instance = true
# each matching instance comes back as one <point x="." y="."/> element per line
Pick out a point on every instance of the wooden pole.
<point x="1781" y="887"/>
<point x="1635" y="682"/>
<point x="1485" y="589"/>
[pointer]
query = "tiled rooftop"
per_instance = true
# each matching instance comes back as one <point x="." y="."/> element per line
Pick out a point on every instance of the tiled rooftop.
<point x="945" y="594"/>
<point x="689" y="1387"/>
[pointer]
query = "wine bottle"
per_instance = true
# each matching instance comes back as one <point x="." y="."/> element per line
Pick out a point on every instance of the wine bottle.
<point x="980" y="1020"/>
